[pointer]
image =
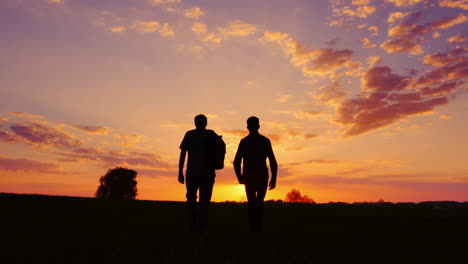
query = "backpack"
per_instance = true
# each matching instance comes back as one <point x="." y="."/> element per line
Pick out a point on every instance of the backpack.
<point x="216" y="150"/>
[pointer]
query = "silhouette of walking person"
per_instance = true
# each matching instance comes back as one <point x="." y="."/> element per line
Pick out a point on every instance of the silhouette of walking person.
<point x="253" y="150"/>
<point x="200" y="173"/>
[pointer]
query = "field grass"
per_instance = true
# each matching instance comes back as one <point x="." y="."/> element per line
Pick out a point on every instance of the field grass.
<point x="48" y="229"/>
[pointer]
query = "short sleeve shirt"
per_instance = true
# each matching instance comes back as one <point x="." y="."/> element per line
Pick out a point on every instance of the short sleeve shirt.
<point x="196" y="142"/>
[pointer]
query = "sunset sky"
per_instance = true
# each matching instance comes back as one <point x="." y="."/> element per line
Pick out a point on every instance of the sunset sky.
<point x="362" y="100"/>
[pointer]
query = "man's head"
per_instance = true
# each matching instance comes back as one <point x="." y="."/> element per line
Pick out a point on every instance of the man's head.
<point x="253" y="124"/>
<point x="201" y="121"/>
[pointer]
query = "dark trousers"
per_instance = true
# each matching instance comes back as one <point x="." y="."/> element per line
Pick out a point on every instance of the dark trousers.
<point x="198" y="215"/>
<point x="256" y="191"/>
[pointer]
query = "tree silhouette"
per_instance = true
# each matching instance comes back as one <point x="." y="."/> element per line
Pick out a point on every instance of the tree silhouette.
<point x="294" y="196"/>
<point x="118" y="183"/>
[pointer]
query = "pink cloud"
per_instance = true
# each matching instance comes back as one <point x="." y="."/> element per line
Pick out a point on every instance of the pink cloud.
<point x="458" y="38"/>
<point x="362" y="118"/>
<point x="328" y="61"/>
<point x="463" y="4"/>
<point x="452" y="66"/>
<point x="98" y="130"/>
<point x="444" y="59"/>
<point x="116" y="158"/>
<point x="9" y="164"/>
<point x="310" y="136"/>
<point x="27" y="115"/>
<point x="321" y="62"/>
<point x="381" y="78"/>
<point x="8" y="137"/>
<point x="408" y="35"/>
<point x="441" y="89"/>
<point x="388" y="97"/>
<point x="332" y="92"/>
<point x="40" y="135"/>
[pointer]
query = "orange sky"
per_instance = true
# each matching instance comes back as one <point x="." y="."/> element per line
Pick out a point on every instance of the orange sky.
<point x="363" y="100"/>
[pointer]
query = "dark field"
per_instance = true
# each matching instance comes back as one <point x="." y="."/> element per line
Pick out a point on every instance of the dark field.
<point x="46" y="229"/>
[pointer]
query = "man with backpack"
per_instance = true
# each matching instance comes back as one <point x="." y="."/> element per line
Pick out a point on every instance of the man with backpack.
<point x="206" y="152"/>
<point x="253" y="150"/>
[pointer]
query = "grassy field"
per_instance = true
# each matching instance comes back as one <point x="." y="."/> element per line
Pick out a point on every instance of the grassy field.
<point x="48" y="229"/>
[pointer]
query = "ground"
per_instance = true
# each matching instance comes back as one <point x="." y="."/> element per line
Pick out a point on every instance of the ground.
<point x="48" y="229"/>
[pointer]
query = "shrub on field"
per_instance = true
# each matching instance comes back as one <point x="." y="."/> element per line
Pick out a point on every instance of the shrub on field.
<point x="118" y="183"/>
<point x="294" y="196"/>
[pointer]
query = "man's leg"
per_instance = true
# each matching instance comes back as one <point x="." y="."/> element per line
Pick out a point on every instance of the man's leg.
<point x="250" y="191"/>
<point x="261" y="192"/>
<point x="206" y="189"/>
<point x="192" y="187"/>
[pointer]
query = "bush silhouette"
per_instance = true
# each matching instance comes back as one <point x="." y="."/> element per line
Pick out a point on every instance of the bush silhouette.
<point x="294" y="196"/>
<point x="118" y="183"/>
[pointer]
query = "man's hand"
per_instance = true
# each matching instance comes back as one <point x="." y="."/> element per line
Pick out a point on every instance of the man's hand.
<point x="272" y="184"/>
<point x="181" y="177"/>
<point x="241" y="179"/>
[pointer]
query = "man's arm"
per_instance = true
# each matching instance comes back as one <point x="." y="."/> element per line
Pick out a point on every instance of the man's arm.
<point x="237" y="165"/>
<point x="183" y="153"/>
<point x="273" y="168"/>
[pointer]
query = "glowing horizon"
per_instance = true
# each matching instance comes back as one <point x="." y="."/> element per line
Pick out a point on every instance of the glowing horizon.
<point x="362" y="100"/>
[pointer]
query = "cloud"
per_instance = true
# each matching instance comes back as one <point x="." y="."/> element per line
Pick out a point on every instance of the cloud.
<point x="146" y="26"/>
<point x="237" y="28"/>
<point x="9" y="137"/>
<point x="446" y="117"/>
<point x="366" y="43"/>
<point x="109" y="159"/>
<point x="166" y="31"/>
<point x="381" y="78"/>
<point x="408" y="36"/>
<point x="374" y="30"/>
<point x="302" y="114"/>
<point x="312" y="161"/>
<point x="118" y="29"/>
<point x="328" y="61"/>
<point x="463" y="4"/>
<point x="387" y="97"/>
<point x="330" y="93"/>
<point x="237" y="132"/>
<point x="444" y="59"/>
<point x="364" y="114"/>
<point x="9" y="164"/>
<point x="43" y="136"/>
<point x="283" y="98"/>
<point x="54" y="2"/>
<point x="310" y="136"/>
<point x="97" y="130"/>
<point x="357" y="9"/>
<point x="450" y="66"/>
<point x="448" y="22"/>
<point x="205" y="36"/>
<point x="441" y="89"/>
<point x="27" y="115"/>
<point x="458" y="38"/>
<point x="199" y="28"/>
<point x="395" y="16"/>
<point x="405" y="3"/>
<point x="151" y="26"/>
<point x="321" y="62"/>
<point x="194" y="13"/>
<point x="164" y="2"/>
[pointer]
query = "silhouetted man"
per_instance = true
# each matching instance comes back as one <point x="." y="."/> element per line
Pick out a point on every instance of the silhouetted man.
<point x="200" y="173"/>
<point x="254" y="149"/>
